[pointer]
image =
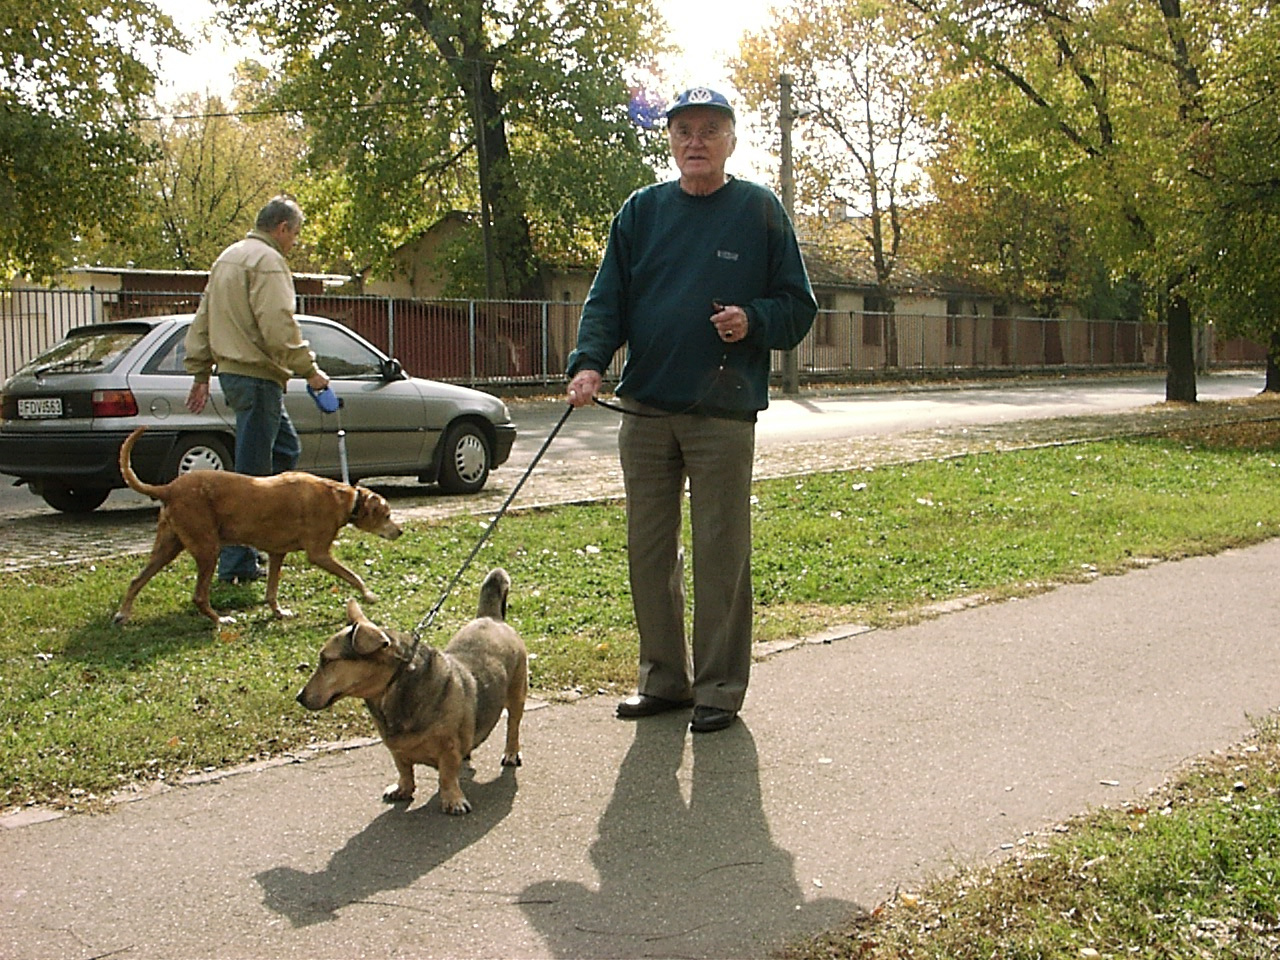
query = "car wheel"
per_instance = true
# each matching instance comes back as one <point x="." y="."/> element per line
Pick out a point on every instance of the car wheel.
<point x="464" y="459"/>
<point x="73" y="499"/>
<point x="198" y="451"/>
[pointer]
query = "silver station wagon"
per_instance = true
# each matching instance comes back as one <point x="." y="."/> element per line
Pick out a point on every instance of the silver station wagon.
<point x="64" y="415"/>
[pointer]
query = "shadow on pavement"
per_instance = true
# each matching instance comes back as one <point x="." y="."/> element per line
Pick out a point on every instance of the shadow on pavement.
<point x="682" y="877"/>
<point x="392" y="853"/>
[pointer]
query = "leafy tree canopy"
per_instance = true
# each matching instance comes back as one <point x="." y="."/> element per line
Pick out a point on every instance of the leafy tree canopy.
<point x="72" y="75"/>
<point x="214" y="165"/>
<point x="1236" y="154"/>
<point x="859" y="137"/>
<point x="407" y="102"/>
<point x="1114" y="96"/>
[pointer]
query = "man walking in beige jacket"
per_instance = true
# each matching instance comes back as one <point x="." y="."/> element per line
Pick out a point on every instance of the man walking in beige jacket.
<point x="245" y="329"/>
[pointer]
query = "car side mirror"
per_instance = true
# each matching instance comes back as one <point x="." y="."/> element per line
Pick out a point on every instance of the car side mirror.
<point x="392" y="370"/>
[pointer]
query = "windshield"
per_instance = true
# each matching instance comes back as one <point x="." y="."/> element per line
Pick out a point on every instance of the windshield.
<point x="90" y="350"/>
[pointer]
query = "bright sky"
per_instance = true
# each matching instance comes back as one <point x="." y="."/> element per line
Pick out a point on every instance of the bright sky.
<point x="707" y="30"/>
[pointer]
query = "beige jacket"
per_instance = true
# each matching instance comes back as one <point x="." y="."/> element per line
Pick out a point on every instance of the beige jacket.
<point x="245" y="322"/>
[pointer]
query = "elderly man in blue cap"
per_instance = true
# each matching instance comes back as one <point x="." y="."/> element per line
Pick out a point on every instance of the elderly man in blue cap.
<point x="702" y="278"/>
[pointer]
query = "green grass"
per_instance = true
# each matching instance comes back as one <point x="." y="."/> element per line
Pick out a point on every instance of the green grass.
<point x="90" y="707"/>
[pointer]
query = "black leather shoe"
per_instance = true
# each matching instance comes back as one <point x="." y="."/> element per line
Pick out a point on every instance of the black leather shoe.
<point x="643" y="705"/>
<point x="710" y="719"/>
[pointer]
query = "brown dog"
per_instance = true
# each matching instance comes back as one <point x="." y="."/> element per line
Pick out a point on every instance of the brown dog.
<point x="202" y="510"/>
<point x="431" y="706"/>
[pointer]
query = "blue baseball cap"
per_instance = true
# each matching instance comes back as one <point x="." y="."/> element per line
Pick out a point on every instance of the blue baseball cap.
<point x="699" y="97"/>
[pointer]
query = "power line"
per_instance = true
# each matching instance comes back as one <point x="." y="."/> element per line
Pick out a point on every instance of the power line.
<point x="280" y="111"/>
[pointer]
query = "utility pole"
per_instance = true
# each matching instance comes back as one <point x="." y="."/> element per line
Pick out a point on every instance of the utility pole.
<point x="790" y="362"/>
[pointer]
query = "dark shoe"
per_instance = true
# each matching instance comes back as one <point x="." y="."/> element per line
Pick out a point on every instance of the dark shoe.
<point x="245" y="576"/>
<point x="711" y="719"/>
<point x="643" y="705"/>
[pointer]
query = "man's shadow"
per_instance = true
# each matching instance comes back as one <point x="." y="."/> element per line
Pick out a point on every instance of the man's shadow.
<point x="393" y="852"/>
<point x="700" y="877"/>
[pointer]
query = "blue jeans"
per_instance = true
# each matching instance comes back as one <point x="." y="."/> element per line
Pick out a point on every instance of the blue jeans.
<point x="266" y="444"/>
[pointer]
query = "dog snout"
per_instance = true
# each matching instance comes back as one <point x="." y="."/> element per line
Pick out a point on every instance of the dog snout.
<point x="390" y="530"/>
<point x="310" y="699"/>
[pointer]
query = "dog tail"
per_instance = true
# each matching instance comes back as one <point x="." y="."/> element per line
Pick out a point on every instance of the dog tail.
<point x="126" y="468"/>
<point x="493" y="595"/>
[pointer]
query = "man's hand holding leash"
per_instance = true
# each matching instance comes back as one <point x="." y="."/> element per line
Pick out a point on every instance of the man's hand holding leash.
<point x="584" y="387"/>
<point x="730" y="322"/>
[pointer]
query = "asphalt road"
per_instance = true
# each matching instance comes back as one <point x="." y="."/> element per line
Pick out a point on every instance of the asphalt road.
<point x="588" y="437"/>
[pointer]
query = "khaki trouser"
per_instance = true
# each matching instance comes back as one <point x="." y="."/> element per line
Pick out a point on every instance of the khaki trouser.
<point x="658" y="454"/>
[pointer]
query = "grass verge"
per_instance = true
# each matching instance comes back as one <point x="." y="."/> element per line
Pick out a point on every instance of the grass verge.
<point x="91" y="708"/>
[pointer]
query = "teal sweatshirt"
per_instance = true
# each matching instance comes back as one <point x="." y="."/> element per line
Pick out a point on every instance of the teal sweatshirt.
<point x="669" y="256"/>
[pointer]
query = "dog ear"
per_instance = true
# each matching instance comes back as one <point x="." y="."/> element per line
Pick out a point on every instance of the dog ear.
<point x="367" y="639"/>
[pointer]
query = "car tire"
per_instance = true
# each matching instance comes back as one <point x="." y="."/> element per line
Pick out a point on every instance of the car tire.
<point x="465" y="458"/>
<point x="69" y="498"/>
<point x="198" y="451"/>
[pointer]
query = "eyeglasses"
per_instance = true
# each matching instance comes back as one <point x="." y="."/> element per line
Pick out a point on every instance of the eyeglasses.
<point x="684" y="136"/>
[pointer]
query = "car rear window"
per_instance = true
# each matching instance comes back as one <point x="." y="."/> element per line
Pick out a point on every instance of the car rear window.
<point x="168" y="359"/>
<point x="84" y="351"/>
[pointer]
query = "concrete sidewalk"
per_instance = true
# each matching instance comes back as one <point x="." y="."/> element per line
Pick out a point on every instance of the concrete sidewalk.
<point x="859" y="765"/>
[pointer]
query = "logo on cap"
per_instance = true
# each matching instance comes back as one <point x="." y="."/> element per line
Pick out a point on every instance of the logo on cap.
<point x="700" y="95"/>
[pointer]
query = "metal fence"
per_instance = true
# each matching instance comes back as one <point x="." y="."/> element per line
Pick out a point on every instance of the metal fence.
<point x="513" y="343"/>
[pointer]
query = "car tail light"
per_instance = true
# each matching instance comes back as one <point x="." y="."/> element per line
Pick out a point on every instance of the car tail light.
<point x="114" y="403"/>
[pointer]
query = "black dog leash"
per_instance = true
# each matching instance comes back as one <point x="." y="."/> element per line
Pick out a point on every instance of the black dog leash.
<point x="430" y="617"/>
<point x="716" y="306"/>
<point x="619" y="408"/>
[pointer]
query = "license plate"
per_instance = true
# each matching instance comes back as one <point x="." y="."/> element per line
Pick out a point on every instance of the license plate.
<point x="40" y="408"/>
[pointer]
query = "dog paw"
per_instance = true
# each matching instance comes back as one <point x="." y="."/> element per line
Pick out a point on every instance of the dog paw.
<point x="511" y="760"/>
<point x="456" y="808"/>
<point x="370" y="596"/>
<point x="393" y="794"/>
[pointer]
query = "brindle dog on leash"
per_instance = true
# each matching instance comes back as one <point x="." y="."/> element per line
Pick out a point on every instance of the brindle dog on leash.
<point x="431" y="706"/>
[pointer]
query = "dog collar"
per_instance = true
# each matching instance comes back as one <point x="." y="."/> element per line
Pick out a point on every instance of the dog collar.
<point x="355" y="507"/>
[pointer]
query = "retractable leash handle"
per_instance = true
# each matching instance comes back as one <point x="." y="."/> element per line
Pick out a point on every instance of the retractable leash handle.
<point x="325" y="399"/>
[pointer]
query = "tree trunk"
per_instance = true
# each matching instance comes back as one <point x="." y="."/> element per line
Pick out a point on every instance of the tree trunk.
<point x="1180" y="381"/>
<point x="1273" y="370"/>
<point x="459" y="35"/>
<point x="512" y="240"/>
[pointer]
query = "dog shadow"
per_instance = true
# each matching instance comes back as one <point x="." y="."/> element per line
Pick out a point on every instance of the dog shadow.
<point x="686" y="862"/>
<point x="393" y="852"/>
<point x="141" y="640"/>
<point x="151" y="636"/>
